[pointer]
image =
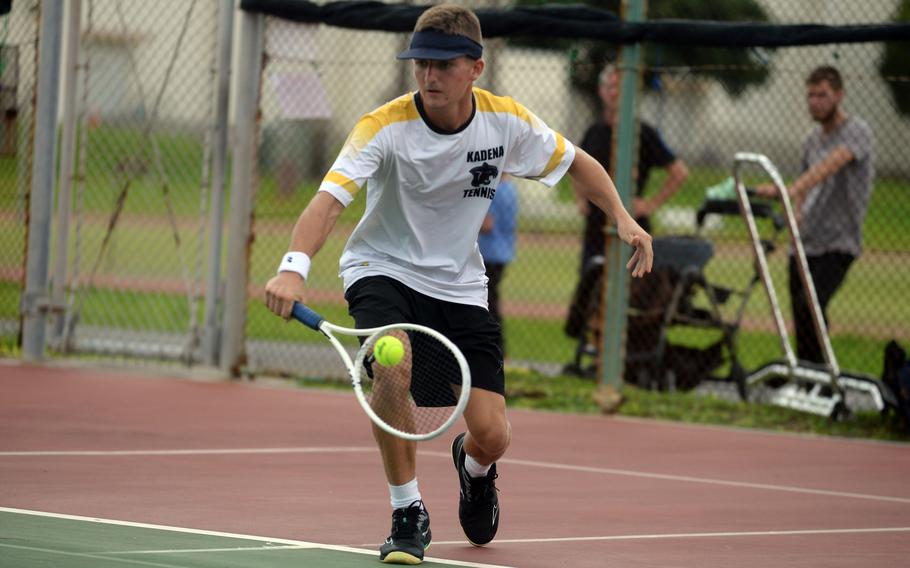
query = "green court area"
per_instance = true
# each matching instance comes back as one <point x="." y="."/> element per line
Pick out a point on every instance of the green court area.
<point x="29" y="538"/>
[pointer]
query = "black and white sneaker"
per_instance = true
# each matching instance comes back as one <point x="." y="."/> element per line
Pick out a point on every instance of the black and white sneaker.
<point x="478" y="504"/>
<point x="410" y="535"/>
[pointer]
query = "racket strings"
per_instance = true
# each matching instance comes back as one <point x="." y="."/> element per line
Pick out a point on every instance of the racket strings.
<point x="418" y="394"/>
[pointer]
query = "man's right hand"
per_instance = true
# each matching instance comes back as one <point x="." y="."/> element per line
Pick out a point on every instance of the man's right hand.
<point x="766" y="190"/>
<point x="282" y="291"/>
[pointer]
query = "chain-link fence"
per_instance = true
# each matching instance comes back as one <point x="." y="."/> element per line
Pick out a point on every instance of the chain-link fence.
<point x="133" y="197"/>
<point x="145" y="100"/>
<point x="318" y="80"/>
<point x="705" y="125"/>
<point x="18" y="76"/>
<point x="139" y="266"/>
<point x="146" y="107"/>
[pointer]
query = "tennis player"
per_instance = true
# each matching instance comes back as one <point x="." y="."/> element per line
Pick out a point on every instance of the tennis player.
<point x="431" y="161"/>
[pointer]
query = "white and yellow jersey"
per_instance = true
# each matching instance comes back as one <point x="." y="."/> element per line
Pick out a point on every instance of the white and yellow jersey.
<point x="429" y="191"/>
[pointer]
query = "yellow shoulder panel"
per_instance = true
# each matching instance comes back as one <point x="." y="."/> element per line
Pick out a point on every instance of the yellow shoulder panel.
<point x="488" y="102"/>
<point x="401" y="109"/>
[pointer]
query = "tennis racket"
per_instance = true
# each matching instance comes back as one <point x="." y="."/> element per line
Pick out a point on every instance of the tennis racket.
<point x="416" y="398"/>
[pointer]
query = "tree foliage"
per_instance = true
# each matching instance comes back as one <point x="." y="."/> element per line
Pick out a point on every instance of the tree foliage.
<point x="896" y="62"/>
<point x="735" y="68"/>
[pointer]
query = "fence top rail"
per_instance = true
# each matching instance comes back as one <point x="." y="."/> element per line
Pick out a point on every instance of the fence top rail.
<point x="576" y="22"/>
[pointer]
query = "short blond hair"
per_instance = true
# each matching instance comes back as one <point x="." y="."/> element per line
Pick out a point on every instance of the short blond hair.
<point x="451" y="19"/>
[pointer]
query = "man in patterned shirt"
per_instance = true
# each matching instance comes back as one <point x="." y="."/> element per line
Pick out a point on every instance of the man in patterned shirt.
<point x="830" y="197"/>
<point x="433" y="159"/>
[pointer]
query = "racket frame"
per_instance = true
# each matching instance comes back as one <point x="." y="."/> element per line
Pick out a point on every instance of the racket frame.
<point x="316" y="322"/>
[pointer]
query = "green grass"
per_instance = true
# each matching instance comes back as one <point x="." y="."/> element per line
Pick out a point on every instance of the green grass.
<point x="527" y="389"/>
<point x="9" y="349"/>
<point x="118" y="152"/>
<point x="544" y="273"/>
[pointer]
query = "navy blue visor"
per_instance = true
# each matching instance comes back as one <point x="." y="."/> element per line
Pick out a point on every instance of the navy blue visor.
<point x="431" y="44"/>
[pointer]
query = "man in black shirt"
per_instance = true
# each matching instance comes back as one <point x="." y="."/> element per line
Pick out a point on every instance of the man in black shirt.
<point x="652" y="152"/>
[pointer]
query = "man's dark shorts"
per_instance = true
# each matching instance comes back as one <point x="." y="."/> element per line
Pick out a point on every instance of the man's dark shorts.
<point x="375" y="301"/>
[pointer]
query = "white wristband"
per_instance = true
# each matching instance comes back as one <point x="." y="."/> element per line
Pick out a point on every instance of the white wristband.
<point x="295" y="262"/>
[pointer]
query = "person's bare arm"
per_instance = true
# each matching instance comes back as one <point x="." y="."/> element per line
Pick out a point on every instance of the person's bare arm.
<point x="309" y="235"/>
<point x="592" y="183"/>
<point x="822" y="170"/>
<point x="677" y="172"/>
<point x="487" y="224"/>
<point x="833" y="162"/>
<point x="581" y="203"/>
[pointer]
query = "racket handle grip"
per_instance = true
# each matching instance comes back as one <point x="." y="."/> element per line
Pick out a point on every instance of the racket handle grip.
<point x="306" y="316"/>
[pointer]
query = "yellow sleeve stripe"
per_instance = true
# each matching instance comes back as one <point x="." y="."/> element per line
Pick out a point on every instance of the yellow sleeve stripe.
<point x="346" y="184"/>
<point x="488" y="102"/>
<point x="557" y="156"/>
<point x="401" y="109"/>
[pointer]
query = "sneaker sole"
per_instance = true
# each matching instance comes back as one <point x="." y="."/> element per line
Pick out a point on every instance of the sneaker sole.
<point x="399" y="557"/>
<point x="402" y="558"/>
<point x="472" y="543"/>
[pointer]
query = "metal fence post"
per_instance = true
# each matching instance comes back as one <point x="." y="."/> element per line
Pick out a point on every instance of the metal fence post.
<point x="67" y="160"/>
<point x="35" y="298"/>
<point x="616" y="292"/>
<point x="237" y="274"/>
<point x="219" y="174"/>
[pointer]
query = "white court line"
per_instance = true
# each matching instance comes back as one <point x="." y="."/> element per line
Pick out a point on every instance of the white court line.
<point x="195" y="550"/>
<point x="690" y="479"/>
<point x="688" y="535"/>
<point x="446" y="455"/>
<point x="92" y="556"/>
<point x="280" y="541"/>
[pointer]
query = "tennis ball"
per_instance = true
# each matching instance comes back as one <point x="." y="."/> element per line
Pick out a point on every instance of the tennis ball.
<point x="388" y="351"/>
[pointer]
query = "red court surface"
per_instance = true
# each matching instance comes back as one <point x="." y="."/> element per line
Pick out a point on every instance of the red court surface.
<point x="575" y="490"/>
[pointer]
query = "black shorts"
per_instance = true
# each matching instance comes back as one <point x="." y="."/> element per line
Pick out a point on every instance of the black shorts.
<point x="375" y="301"/>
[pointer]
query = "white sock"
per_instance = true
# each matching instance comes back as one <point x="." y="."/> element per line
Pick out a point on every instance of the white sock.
<point x="403" y="495"/>
<point x="473" y="468"/>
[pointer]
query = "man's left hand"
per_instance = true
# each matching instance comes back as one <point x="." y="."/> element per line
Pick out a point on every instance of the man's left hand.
<point x="632" y="234"/>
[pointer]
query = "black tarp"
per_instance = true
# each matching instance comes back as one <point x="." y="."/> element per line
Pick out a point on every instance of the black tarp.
<point x="583" y="22"/>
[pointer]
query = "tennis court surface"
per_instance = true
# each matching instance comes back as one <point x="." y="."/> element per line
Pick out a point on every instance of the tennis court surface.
<point x="116" y="468"/>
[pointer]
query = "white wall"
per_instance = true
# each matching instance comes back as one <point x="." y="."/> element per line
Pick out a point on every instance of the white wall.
<point x="130" y="46"/>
